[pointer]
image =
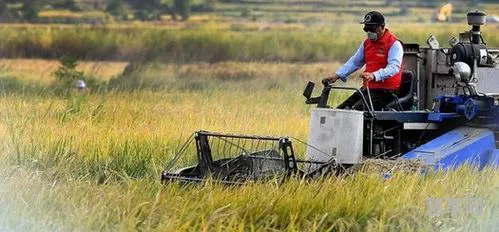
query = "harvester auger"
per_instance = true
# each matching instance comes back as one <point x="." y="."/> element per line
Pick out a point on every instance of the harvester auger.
<point x="445" y="115"/>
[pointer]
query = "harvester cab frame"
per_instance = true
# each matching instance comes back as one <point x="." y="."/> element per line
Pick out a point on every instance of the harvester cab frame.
<point x="446" y="115"/>
<point x="451" y="90"/>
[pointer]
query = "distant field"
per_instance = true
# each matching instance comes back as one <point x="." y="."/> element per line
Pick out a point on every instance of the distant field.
<point x="245" y="31"/>
<point x="42" y="71"/>
<point x="307" y="12"/>
<point x="200" y="76"/>
<point x="211" y="42"/>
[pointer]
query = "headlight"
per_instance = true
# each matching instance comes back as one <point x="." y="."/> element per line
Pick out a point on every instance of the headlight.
<point x="462" y="72"/>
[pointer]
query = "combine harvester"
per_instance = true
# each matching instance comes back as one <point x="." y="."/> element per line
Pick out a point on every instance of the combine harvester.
<point x="445" y="115"/>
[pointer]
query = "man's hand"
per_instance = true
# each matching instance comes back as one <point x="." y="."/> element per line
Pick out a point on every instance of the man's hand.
<point x="331" y="78"/>
<point x="367" y="76"/>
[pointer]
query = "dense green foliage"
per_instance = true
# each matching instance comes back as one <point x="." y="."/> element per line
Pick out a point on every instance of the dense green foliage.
<point x="116" y="8"/>
<point x="30" y="10"/>
<point x="70" y="5"/>
<point x="183" y="8"/>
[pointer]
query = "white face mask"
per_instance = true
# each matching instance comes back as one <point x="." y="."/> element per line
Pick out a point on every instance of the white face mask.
<point x="373" y="36"/>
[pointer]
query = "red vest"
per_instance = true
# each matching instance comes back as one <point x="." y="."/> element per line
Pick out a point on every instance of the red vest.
<point x="376" y="57"/>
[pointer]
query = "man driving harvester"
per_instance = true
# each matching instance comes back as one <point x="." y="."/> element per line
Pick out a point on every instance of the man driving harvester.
<point x="382" y="54"/>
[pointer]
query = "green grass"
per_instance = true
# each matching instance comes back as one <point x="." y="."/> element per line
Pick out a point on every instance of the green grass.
<point x="209" y="44"/>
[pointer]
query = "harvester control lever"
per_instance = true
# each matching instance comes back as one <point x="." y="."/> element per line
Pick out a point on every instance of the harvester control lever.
<point x="322" y="100"/>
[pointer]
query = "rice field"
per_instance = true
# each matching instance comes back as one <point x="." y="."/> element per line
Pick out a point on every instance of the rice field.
<point x="92" y="161"/>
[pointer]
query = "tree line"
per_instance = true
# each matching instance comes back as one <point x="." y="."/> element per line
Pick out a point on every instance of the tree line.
<point x="28" y="10"/>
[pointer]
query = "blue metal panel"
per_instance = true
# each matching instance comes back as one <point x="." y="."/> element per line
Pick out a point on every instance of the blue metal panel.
<point x="493" y="158"/>
<point x="439" y="117"/>
<point x="464" y="145"/>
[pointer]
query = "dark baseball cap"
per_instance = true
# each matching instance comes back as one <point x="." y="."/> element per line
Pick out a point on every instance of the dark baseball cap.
<point x="373" y="18"/>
